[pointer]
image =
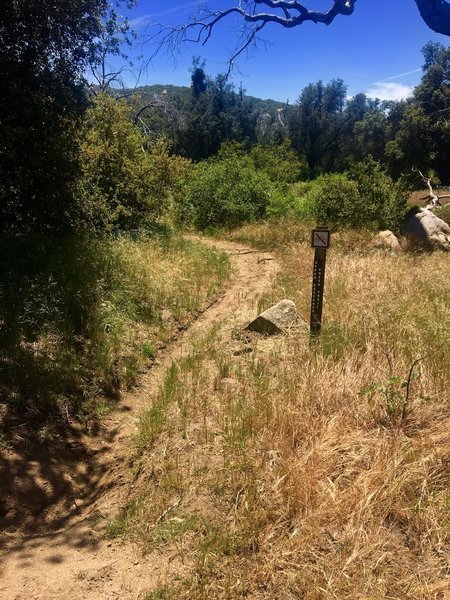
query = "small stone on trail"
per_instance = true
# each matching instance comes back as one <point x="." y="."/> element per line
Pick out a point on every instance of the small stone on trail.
<point x="277" y="319"/>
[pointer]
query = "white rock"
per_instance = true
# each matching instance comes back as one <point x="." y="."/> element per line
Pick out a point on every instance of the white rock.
<point x="424" y="229"/>
<point x="277" y="319"/>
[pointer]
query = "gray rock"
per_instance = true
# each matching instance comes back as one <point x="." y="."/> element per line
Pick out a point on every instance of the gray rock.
<point x="277" y="319"/>
<point x="386" y="240"/>
<point x="423" y="229"/>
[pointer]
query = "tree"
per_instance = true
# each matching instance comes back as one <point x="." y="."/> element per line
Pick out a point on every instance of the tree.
<point x="286" y="13"/>
<point x="422" y="138"/>
<point x="45" y="47"/>
<point x="317" y="124"/>
<point x="213" y="113"/>
<point x="369" y="128"/>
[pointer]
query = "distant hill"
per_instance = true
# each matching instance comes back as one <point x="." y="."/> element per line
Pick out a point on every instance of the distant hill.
<point x="198" y="126"/>
<point x="180" y="94"/>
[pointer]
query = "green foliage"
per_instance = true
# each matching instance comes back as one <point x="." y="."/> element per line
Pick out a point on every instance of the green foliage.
<point x="280" y="162"/>
<point x="363" y="197"/>
<point x="422" y="137"/>
<point x="382" y="202"/>
<point x="228" y="191"/>
<point x="123" y="185"/>
<point x="335" y="201"/>
<point x="317" y="124"/>
<point x="45" y="48"/>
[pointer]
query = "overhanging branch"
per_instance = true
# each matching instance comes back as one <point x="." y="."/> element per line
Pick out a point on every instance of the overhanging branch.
<point x="255" y="14"/>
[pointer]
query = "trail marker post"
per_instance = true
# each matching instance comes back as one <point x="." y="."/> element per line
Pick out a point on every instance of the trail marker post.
<point x="320" y="241"/>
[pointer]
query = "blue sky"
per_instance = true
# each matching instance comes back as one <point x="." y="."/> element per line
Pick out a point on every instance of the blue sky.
<point x="377" y="50"/>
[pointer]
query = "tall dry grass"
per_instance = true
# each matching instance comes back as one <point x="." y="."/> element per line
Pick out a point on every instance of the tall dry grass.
<point x="316" y="472"/>
<point x="81" y="316"/>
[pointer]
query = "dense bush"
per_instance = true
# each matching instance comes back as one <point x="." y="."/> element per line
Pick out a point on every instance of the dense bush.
<point x="280" y="162"/>
<point x="333" y="200"/>
<point x="383" y="200"/>
<point x="365" y="196"/>
<point x="227" y="191"/>
<point x="124" y="184"/>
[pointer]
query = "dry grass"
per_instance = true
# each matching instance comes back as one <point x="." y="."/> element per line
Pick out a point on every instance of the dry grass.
<point x="79" y="317"/>
<point x="315" y="472"/>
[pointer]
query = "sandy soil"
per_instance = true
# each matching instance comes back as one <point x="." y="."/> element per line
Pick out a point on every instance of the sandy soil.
<point x="52" y="542"/>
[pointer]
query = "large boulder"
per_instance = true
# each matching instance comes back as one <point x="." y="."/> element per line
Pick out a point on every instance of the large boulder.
<point x="276" y="319"/>
<point x="386" y="240"/>
<point x="423" y="229"/>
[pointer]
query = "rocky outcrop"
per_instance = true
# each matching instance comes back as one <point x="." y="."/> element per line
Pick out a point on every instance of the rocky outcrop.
<point x="423" y="229"/>
<point x="277" y="319"/>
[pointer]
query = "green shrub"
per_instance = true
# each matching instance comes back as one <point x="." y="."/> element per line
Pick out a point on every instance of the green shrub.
<point x="227" y="191"/>
<point x="383" y="202"/>
<point x="125" y="184"/>
<point x="303" y="201"/>
<point x="282" y="203"/>
<point x="364" y="197"/>
<point x="280" y="162"/>
<point x="331" y="199"/>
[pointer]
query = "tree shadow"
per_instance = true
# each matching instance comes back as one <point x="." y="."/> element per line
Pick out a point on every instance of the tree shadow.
<point x="46" y="489"/>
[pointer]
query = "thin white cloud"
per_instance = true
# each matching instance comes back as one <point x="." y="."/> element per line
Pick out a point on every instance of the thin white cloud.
<point x="400" y="75"/>
<point x="148" y="19"/>
<point x="389" y="91"/>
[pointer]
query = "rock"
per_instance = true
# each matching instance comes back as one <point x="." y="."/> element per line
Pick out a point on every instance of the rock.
<point x="423" y="229"/>
<point x="386" y="240"/>
<point x="276" y="319"/>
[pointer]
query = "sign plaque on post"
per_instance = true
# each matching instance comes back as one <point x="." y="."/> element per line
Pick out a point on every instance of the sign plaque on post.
<point x="320" y="241"/>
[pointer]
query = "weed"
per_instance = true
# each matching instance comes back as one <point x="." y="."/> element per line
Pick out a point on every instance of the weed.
<point x="396" y="393"/>
<point x="148" y="349"/>
<point x="121" y="525"/>
<point x="174" y="527"/>
<point x="162" y="593"/>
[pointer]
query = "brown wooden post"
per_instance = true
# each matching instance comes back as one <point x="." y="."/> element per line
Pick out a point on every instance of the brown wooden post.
<point x="320" y="241"/>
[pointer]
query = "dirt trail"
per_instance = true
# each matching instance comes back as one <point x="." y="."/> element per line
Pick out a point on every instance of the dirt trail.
<point x="68" y="555"/>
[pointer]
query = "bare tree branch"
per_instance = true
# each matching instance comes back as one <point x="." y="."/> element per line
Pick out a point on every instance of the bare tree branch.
<point x="287" y="13"/>
<point x="257" y="14"/>
<point x="434" y="200"/>
<point x="160" y="103"/>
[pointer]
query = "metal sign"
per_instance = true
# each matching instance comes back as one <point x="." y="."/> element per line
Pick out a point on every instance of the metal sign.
<point x="320" y="240"/>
